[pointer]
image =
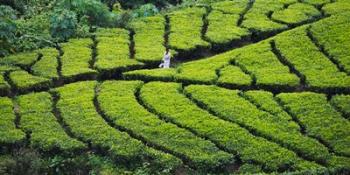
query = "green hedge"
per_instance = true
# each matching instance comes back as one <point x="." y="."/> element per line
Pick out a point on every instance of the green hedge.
<point x="47" y="65"/>
<point x="332" y="34"/>
<point x="257" y="20"/>
<point x="4" y="86"/>
<point x="149" y="39"/>
<point x="118" y="101"/>
<point x="203" y="71"/>
<point x="223" y="29"/>
<point x="317" y="2"/>
<point x="230" y="7"/>
<point x="319" y="72"/>
<point x="232" y="76"/>
<point x="185" y="29"/>
<point x="338" y="7"/>
<point x="167" y="101"/>
<point x="38" y="121"/>
<point x="113" y="53"/>
<point x="78" y="112"/>
<point x="320" y="119"/>
<point x="342" y="103"/>
<point x="297" y="13"/>
<point x="263" y="64"/>
<point x="24" y="81"/>
<point x="151" y="74"/>
<point x="24" y="59"/>
<point x="266" y="101"/>
<point x="9" y="134"/>
<point x="230" y="106"/>
<point x="76" y="59"/>
<point x="257" y="59"/>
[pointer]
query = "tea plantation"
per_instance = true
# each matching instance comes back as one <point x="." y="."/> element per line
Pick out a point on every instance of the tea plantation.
<point x="256" y="86"/>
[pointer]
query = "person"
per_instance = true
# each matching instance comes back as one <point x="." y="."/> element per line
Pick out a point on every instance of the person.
<point x="166" y="59"/>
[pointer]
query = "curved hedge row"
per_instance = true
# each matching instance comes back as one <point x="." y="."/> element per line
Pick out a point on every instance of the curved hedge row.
<point x="167" y="101"/>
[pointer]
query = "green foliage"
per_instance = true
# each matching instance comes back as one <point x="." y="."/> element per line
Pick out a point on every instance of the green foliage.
<point x="4" y="86"/>
<point x="233" y="76"/>
<point x="230" y="7"/>
<point x="166" y="100"/>
<point x="46" y="133"/>
<point x="7" y="29"/>
<point x="317" y="2"/>
<point x="229" y="105"/>
<point x="151" y="74"/>
<point x="333" y="34"/>
<point x="63" y="24"/>
<point x="264" y="66"/>
<point x="9" y="134"/>
<point x="327" y="124"/>
<point x="338" y="7"/>
<point x="146" y="10"/>
<point x="47" y="65"/>
<point x="25" y="161"/>
<point x="266" y="101"/>
<point x="257" y="18"/>
<point x="249" y="168"/>
<point x="342" y="102"/>
<point x="97" y="12"/>
<point x="118" y="101"/>
<point x="33" y="33"/>
<point x="24" y="59"/>
<point x="76" y="59"/>
<point x="149" y="38"/>
<point x="319" y="72"/>
<point x="23" y="81"/>
<point x="203" y="71"/>
<point x="77" y="110"/>
<point x="185" y="30"/>
<point x="113" y="51"/>
<point x="223" y="28"/>
<point x="296" y="14"/>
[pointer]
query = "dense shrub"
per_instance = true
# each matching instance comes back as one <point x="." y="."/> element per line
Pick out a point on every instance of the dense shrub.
<point x="7" y="29"/>
<point x="97" y="12"/>
<point x="63" y="24"/>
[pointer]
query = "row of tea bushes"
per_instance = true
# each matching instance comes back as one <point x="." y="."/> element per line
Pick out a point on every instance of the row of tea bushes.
<point x="167" y="100"/>
<point x="231" y="76"/>
<point x="118" y="102"/>
<point x="338" y="7"/>
<point x="4" y="85"/>
<point x="257" y="18"/>
<point x="223" y="23"/>
<point x="342" y="102"/>
<point x="113" y="54"/>
<point x="320" y="119"/>
<point x="266" y="101"/>
<point x="258" y="60"/>
<point x="319" y="72"/>
<point x="10" y="135"/>
<point x="47" y="66"/>
<point x="227" y="104"/>
<point x="23" y="60"/>
<point x="23" y="81"/>
<point x="333" y="34"/>
<point x="265" y="67"/>
<point x="38" y="121"/>
<point x="76" y="106"/>
<point x="149" y="39"/>
<point x="186" y="29"/>
<point x="76" y="59"/>
<point x="296" y="14"/>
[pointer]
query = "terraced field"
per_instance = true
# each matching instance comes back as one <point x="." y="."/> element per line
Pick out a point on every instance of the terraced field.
<point x="259" y="86"/>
